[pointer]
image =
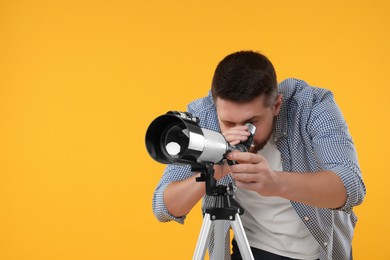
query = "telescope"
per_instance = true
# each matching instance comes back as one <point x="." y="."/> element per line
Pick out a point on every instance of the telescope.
<point x="177" y="138"/>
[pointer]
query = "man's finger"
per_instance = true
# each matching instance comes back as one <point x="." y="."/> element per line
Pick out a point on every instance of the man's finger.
<point x="244" y="177"/>
<point x="245" y="157"/>
<point x="246" y="185"/>
<point x="244" y="168"/>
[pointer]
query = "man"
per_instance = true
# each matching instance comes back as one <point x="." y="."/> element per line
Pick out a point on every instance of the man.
<point x="298" y="183"/>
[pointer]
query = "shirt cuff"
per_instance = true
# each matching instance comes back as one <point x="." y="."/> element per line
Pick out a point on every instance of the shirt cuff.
<point x="352" y="183"/>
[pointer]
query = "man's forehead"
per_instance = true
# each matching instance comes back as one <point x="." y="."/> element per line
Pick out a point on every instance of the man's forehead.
<point x="239" y="112"/>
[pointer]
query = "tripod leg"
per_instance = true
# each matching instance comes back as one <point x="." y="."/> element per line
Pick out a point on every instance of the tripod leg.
<point x="219" y="239"/>
<point x="241" y="238"/>
<point x="203" y="238"/>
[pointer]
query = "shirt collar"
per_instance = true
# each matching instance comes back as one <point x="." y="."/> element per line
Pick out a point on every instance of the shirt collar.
<point x="280" y="129"/>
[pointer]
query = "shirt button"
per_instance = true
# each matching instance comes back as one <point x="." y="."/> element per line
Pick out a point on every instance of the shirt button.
<point x="306" y="218"/>
<point x="325" y="243"/>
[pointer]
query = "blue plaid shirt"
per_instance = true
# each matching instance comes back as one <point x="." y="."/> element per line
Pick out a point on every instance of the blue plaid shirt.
<point x="311" y="135"/>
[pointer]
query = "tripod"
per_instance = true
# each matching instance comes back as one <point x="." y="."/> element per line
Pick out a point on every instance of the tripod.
<point x="225" y="209"/>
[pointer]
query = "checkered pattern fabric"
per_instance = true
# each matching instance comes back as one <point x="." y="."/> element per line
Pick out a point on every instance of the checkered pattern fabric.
<point x="312" y="135"/>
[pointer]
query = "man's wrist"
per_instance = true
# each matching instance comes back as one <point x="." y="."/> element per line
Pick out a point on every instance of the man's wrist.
<point x="280" y="184"/>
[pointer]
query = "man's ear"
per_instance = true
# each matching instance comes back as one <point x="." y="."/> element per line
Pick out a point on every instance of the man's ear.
<point x="278" y="104"/>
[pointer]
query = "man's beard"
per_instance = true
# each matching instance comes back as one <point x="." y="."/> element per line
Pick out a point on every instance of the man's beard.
<point x="255" y="147"/>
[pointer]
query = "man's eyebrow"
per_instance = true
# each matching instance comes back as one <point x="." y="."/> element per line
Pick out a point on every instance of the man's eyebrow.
<point x="243" y="122"/>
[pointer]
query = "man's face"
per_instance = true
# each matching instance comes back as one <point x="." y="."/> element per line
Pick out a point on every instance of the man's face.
<point x="231" y="114"/>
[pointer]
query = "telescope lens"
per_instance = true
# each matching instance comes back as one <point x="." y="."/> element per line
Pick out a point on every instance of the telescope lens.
<point x="176" y="141"/>
<point x="173" y="148"/>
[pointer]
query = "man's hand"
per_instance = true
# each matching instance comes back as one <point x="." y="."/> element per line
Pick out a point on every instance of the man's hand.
<point x="323" y="189"/>
<point x="236" y="134"/>
<point x="253" y="173"/>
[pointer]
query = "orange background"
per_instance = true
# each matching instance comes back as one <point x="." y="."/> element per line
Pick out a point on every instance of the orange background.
<point x="80" y="81"/>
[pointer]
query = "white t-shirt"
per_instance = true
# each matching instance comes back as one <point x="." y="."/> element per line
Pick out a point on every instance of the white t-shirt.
<point x="271" y="223"/>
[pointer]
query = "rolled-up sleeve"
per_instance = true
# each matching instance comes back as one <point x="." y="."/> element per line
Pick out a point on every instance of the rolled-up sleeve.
<point x="171" y="174"/>
<point x="335" y="151"/>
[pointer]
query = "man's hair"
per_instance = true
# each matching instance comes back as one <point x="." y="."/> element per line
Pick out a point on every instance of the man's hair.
<point x="243" y="76"/>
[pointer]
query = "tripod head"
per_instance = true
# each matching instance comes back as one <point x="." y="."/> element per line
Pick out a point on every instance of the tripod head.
<point x="225" y="206"/>
<point x="207" y="176"/>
